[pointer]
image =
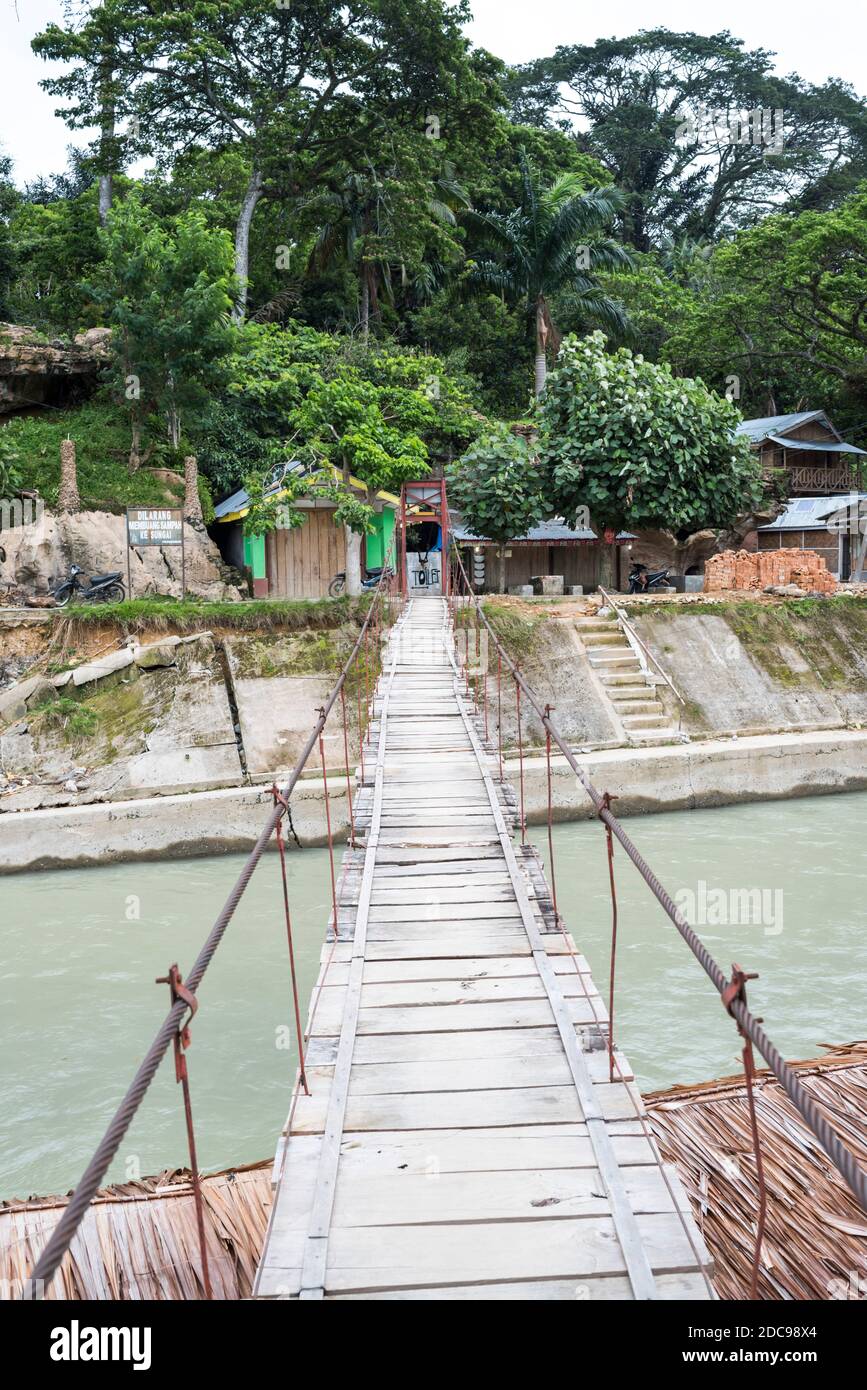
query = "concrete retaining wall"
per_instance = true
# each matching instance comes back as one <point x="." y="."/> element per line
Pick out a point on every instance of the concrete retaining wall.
<point x="713" y="773"/>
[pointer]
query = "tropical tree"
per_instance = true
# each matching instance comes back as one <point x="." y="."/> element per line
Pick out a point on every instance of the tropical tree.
<point x="375" y="219"/>
<point x="665" y="114"/>
<point x="640" y="447"/>
<point x="166" y="290"/>
<point x="347" y="433"/>
<point x="553" y="242"/>
<point x="498" y="489"/>
<point x="292" y="85"/>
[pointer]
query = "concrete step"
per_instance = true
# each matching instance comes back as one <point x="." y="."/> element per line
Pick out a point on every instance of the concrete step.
<point x="625" y="707"/>
<point x="651" y="738"/>
<point x="597" y="625"/>
<point x="642" y="721"/>
<point x="621" y="690"/>
<point x="614" y="656"/>
<point x="618" y="677"/>
<point x="602" y="639"/>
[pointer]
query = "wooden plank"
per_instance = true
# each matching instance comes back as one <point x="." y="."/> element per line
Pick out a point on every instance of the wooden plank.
<point x="638" y="1265"/>
<point x="313" y="1261"/>
<point x="383" y="1257"/>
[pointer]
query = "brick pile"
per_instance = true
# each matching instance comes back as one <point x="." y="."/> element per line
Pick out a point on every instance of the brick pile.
<point x="764" y="569"/>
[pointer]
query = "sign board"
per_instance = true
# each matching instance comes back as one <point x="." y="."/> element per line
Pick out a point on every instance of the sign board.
<point x="155" y="526"/>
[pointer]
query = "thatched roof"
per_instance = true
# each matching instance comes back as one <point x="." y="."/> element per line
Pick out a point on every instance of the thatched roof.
<point x="815" y="1243"/>
<point x="139" y="1240"/>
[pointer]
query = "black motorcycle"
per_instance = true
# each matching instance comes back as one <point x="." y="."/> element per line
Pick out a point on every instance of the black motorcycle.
<point x="338" y="583"/>
<point x="642" y="580"/>
<point x="99" y="588"/>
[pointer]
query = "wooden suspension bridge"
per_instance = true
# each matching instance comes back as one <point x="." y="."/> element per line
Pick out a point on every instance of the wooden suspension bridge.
<point x="462" y="1138"/>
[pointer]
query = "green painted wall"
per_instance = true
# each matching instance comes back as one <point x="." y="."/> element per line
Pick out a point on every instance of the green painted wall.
<point x="379" y="541"/>
<point x="254" y="555"/>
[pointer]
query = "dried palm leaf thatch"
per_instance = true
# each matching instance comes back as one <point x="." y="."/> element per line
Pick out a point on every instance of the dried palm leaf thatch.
<point x="139" y="1240"/>
<point x="815" y="1242"/>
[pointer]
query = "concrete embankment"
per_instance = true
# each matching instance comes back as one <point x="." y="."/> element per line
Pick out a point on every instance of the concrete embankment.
<point x="713" y="772"/>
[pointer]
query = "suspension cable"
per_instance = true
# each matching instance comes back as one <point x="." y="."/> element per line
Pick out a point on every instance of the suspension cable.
<point x="90" y="1181"/>
<point x="841" y="1156"/>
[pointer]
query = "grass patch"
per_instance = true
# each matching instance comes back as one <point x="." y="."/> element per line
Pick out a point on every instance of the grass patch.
<point x="164" y="615"/>
<point x="518" y="632"/>
<point x="76" y="722"/>
<point x="102" y="441"/>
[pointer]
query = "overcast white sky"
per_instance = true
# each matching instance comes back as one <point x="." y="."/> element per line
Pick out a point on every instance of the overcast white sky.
<point x="818" y="40"/>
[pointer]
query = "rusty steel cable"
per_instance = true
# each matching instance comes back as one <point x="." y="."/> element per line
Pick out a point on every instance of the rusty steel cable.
<point x="842" y="1157"/>
<point x="299" y="1031"/>
<point x="89" y="1183"/>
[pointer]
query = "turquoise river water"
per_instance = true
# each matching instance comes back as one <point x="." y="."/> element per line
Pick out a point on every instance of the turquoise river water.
<point x="780" y="887"/>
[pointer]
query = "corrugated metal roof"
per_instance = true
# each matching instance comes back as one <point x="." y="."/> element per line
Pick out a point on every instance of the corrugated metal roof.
<point x="766" y="425"/>
<point x="817" y="446"/>
<point x="810" y="513"/>
<point x="547" y="533"/>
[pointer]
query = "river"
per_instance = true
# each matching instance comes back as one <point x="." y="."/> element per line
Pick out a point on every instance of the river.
<point x="80" y="950"/>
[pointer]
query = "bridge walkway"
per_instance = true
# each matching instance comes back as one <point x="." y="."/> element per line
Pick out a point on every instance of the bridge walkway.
<point x="462" y="1138"/>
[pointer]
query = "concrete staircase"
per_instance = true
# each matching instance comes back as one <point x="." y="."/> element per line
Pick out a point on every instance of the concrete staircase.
<point x="631" y="693"/>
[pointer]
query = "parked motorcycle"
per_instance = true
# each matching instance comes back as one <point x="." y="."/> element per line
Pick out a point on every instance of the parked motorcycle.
<point x="338" y="583"/>
<point x="642" y="580"/>
<point x="99" y="588"/>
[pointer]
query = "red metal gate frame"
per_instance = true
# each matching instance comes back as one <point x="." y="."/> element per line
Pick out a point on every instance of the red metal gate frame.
<point x="424" y="501"/>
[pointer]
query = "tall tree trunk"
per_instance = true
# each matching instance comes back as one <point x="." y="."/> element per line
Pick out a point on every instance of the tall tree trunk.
<point x="501" y="555"/>
<point x="541" y="346"/>
<point x="135" y="446"/>
<point x="365" y="304"/>
<point x="242" y="242"/>
<point x="192" y="503"/>
<point x="606" y="564"/>
<point x="68" y="499"/>
<point x="353" y="562"/>
<point x="106" y="129"/>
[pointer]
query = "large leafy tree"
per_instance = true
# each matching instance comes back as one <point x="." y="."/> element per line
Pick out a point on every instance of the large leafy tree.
<point x="498" y="489"/>
<point x="295" y="86"/>
<point x="640" y="447"/>
<point x="379" y="416"/>
<point x="626" y="99"/>
<point x="166" y="291"/>
<point x="99" y="42"/>
<point x="788" y="307"/>
<point x="553" y="242"/>
<point x="774" y="316"/>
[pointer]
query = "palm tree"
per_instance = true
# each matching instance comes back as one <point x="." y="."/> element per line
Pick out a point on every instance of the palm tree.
<point x="553" y="242"/>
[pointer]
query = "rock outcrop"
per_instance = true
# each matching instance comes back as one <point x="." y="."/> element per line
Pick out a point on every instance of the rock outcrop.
<point x="36" y="371"/>
<point x="39" y="553"/>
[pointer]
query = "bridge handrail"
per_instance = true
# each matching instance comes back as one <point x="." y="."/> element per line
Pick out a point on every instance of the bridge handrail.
<point x="90" y="1181"/>
<point x="842" y="1157"/>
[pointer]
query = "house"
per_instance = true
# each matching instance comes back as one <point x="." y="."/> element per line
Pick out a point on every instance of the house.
<point x="299" y="562"/>
<point x="823" y="474"/>
<point x="817" y="459"/>
<point x="551" y="548"/>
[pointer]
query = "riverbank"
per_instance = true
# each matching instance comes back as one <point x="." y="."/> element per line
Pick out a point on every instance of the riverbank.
<point x="668" y="777"/>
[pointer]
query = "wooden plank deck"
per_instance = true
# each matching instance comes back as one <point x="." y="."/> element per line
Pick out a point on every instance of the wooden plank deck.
<point x="462" y="1139"/>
